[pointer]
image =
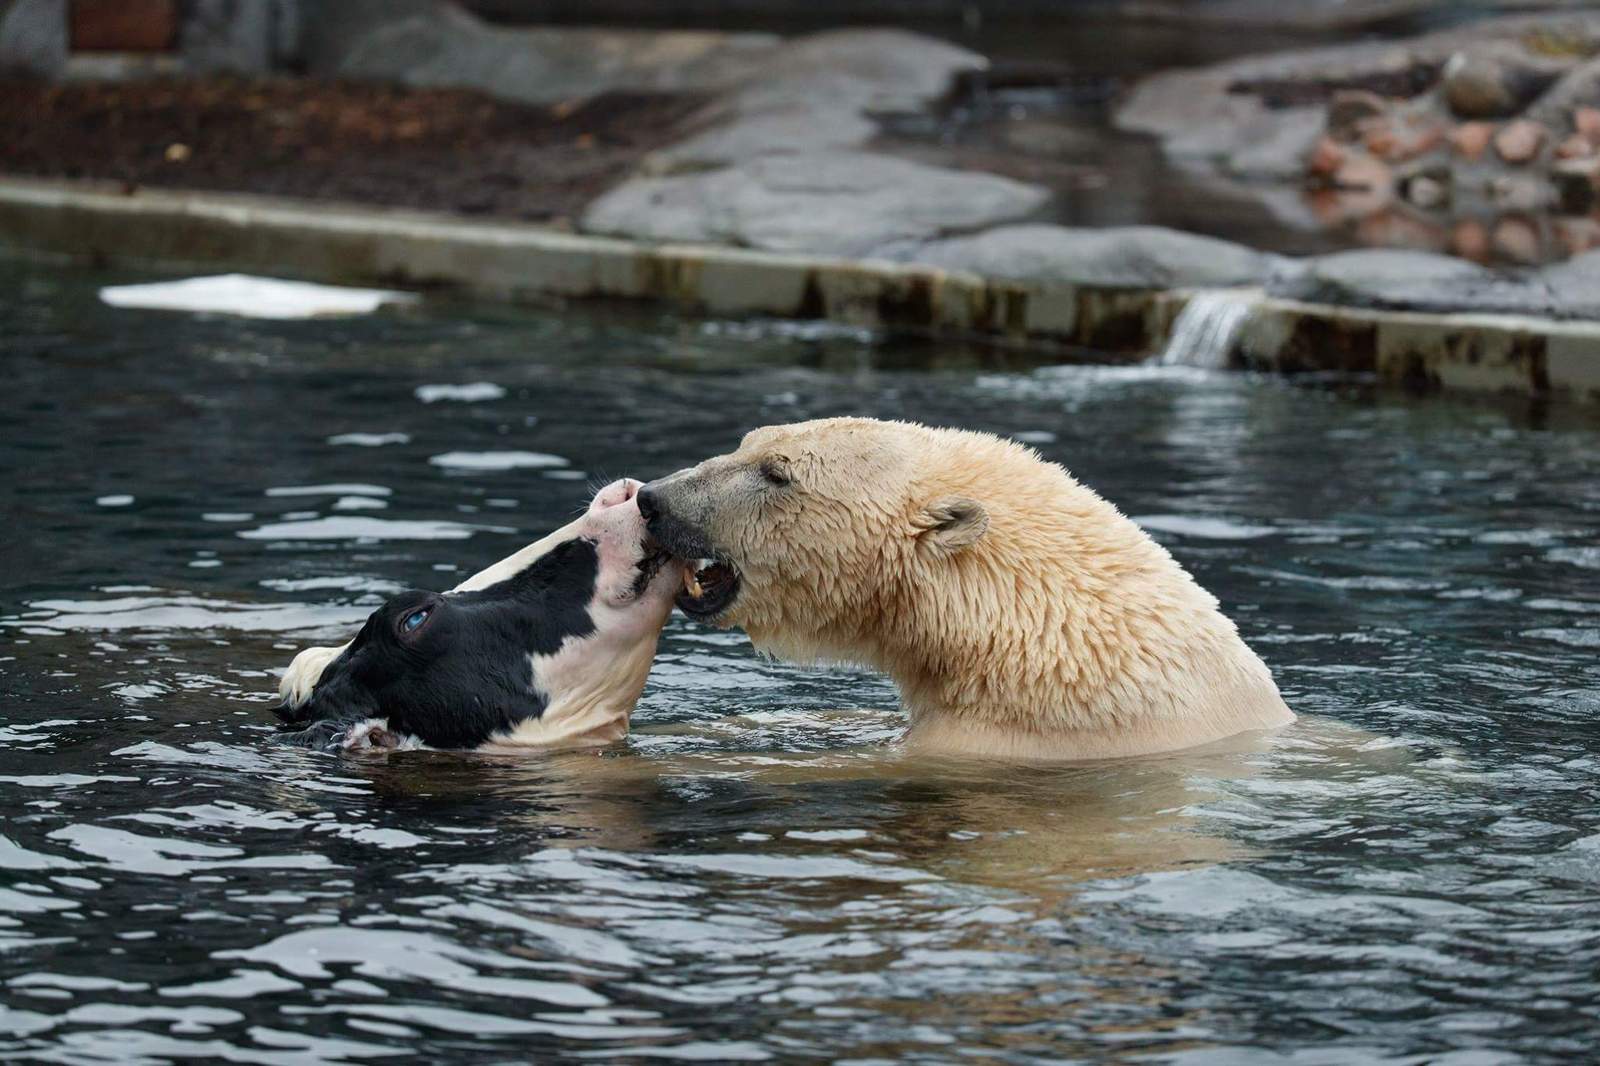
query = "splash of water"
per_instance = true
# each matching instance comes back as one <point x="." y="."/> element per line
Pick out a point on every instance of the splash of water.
<point x="1205" y="331"/>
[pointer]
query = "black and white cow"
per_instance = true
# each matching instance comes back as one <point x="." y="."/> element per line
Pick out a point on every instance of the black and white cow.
<point x="548" y="648"/>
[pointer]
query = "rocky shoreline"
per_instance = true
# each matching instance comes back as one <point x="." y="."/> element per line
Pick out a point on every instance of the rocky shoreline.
<point x="1481" y="141"/>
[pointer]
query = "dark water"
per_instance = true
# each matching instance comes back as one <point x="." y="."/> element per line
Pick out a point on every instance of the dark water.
<point x="1410" y="875"/>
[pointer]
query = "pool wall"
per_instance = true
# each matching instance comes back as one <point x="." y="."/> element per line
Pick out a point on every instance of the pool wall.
<point x="108" y="225"/>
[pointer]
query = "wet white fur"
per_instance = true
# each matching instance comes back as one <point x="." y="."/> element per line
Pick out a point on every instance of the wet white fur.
<point x="1021" y="614"/>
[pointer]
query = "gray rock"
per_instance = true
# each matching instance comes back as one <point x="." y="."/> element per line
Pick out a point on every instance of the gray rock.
<point x="1521" y="192"/>
<point x="1181" y="104"/>
<point x="1496" y="79"/>
<point x="1176" y="102"/>
<point x="1276" y="148"/>
<point x="1427" y="191"/>
<point x="831" y="203"/>
<point x="779" y="131"/>
<point x="1143" y="257"/>
<point x="1197" y="118"/>
<point x="1572" y="34"/>
<point x="1349" y="108"/>
<point x="33" y="37"/>
<point x="1407" y="280"/>
<point x="810" y="94"/>
<point x="440" y="45"/>
<point x="818" y="93"/>
<point x="1574" y="286"/>
<point x="1052" y="138"/>
<point x="1579" y="87"/>
<point x="884" y="70"/>
<point x="1478" y="86"/>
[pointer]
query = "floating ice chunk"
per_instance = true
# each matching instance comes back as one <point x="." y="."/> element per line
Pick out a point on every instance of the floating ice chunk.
<point x="371" y="440"/>
<point x="1203" y="527"/>
<point x="497" y="460"/>
<point x="476" y="392"/>
<point x="340" y="488"/>
<point x="358" y="503"/>
<point x="351" y="527"/>
<point x="252" y="297"/>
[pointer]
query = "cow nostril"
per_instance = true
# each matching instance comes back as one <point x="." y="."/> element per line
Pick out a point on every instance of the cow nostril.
<point x="615" y="494"/>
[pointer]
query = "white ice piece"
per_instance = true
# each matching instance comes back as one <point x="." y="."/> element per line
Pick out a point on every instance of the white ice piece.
<point x="497" y="460"/>
<point x="252" y="297"/>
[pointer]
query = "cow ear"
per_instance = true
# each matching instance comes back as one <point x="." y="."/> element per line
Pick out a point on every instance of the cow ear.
<point x="952" y="523"/>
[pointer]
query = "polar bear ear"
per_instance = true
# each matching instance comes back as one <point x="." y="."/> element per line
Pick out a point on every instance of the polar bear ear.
<point x="952" y="523"/>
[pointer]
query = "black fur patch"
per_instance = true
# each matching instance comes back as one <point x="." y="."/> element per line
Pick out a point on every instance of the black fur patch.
<point x="462" y="676"/>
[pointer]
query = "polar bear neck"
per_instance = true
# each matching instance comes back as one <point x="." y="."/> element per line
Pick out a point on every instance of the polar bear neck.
<point x="1065" y="632"/>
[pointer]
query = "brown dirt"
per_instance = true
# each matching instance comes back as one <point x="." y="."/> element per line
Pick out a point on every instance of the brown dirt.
<point x="435" y="149"/>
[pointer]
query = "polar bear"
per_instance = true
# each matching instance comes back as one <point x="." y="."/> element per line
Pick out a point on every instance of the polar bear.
<point x="1020" y="614"/>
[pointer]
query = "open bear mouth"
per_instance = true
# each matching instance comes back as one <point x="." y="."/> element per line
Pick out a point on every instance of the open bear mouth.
<point x="709" y="586"/>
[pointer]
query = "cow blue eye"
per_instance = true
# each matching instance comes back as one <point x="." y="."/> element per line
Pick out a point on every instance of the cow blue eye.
<point x="414" y="619"/>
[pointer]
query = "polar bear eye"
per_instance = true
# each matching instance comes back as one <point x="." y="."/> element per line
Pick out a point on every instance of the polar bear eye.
<point x="776" y="471"/>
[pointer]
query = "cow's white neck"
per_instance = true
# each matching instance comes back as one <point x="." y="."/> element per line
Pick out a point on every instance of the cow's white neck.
<point x="597" y="690"/>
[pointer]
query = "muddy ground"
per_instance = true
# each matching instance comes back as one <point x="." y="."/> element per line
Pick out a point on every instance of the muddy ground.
<point x="435" y="149"/>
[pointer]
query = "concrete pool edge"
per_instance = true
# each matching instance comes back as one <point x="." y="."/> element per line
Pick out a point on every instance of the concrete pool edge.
<point x="104" y="224"/>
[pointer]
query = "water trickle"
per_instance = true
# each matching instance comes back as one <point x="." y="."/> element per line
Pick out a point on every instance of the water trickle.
<point x="1206" y="328"/>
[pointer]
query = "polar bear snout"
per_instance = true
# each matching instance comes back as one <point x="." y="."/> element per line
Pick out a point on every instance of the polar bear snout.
<point x="711" y="581"/>
<point x="667" y="506"/>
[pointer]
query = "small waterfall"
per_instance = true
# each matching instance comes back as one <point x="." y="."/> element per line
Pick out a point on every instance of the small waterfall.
<point x="1206" y="328"/>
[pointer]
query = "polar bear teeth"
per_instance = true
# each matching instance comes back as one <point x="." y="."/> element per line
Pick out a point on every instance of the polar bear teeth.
<point x="691" y="576"/>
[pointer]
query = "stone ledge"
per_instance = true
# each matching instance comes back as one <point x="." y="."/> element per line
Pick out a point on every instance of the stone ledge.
<point x="506" y="260"/>
<point x="1470" y="351"/>
<point x="186" y="230"/>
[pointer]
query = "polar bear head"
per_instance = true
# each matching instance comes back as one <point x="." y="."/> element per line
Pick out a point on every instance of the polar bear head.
<point x="1019" y="613"/>
<point x="811" y="537"/>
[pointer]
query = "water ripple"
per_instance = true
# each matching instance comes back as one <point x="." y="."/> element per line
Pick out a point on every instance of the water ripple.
<point x="761" y="873"/>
